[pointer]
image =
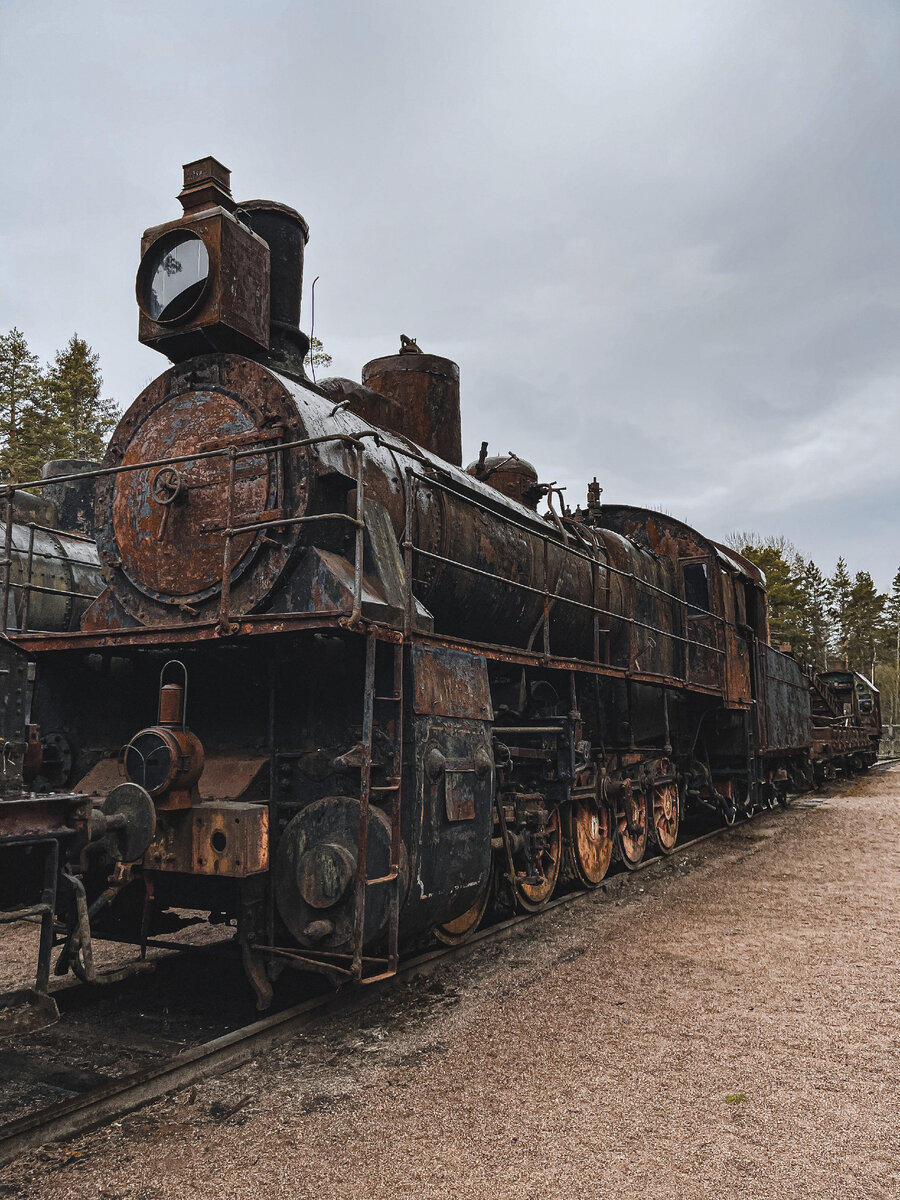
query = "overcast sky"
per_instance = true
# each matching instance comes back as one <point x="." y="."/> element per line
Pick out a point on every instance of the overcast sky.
<point x="661" y="239"/>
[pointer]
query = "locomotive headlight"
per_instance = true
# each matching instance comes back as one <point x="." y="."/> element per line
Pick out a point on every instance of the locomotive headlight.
<point x="205" y="281"/>
<point x="167" y="762"/>
<point x="173" y="276"/>
<point x="151" y="759"/>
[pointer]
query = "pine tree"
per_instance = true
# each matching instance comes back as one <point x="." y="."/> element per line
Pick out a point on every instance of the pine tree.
<point x="21" y="387"/>
<point x="864" y="611"/>
<point x="839" y="587"/>
<point x="889" y="649"/>
<point x="71" y="419"/>
<point x="816" y="626"/>
<point x="777" y="558"/>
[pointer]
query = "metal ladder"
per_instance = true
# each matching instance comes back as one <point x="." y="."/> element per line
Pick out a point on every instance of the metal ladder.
<point x="389" y="716"/>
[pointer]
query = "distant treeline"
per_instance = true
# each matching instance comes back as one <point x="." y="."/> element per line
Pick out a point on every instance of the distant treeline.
<point x="828" y="618"/>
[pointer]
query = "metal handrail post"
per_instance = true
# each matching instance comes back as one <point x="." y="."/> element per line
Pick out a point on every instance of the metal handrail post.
<point x="409" y="606"/>
<point x="356" y="614"/>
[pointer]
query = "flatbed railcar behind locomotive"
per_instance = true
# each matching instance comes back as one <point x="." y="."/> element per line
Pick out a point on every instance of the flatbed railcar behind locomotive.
<point x="406" y="689"/>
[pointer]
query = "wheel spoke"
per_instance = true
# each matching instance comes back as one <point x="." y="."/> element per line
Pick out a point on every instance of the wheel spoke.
<point x="632" y="838"/>
<point x="665" y="816"/>
<point x="591" y="836"/>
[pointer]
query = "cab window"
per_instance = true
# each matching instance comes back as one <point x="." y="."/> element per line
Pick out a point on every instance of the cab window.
<point x="696" y="588"/>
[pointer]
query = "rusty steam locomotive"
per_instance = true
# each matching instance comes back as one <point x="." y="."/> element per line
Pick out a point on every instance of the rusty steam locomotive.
<point x="359" y="687"/>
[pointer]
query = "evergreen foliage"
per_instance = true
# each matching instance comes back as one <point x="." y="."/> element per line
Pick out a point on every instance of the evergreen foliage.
<point x="840" y="586"/>
<point x="318" y="356"/>
<point x="55" y="413"/>
<point x="814" y="619"/>
<point x="21" y="389"/>
<point x="777" y="558"/>
<point x="840" y="619"/>
<point x="863" y="616"/>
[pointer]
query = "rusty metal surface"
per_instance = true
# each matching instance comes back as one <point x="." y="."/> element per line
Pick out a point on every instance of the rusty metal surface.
<point x="633" y="819"/>
<point x="591" y="831"/>
<point x="41" y="816"/>
<point x="226" y="776"/>
<point x="172" y="848"/>
<point x="533" y="886"/>
<point x="232" y="776"/>
<point x="459" y="789"/>
<point x="102" y="777"/>
<point x="233" y="309"/>
<point x="230" y="839"/>
<point x="461" y="928"/>
<point x="489" y="579"/>
<point x="510" y="475"/>
<point x="785" y="712"/>
<point x="162" y="545"/>
<point x="314" y="868"/>
<point x="665" y="804"/>
<point x="423" y="400"/>
<point x="172" y="546"/>
<point x="167" y="762"/>
<point x="451" y="683"/>
<point x="72" y="502"/>
<point x="485" y="567"/>
<point x="846" y="718"/>
<point x="718" y="653"/>
<point x="286" y="233"/>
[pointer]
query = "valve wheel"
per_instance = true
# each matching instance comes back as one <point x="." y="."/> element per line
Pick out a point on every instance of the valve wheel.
<point x="168" y="486"/>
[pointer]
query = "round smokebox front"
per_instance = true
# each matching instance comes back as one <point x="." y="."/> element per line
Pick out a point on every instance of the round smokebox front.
<point x="202" y="441"/>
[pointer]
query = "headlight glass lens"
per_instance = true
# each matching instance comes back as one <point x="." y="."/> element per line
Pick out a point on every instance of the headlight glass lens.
<point x="173" y="276"/>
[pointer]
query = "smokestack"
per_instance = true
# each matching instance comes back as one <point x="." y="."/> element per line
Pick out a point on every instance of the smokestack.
<point x="286" y="234"/>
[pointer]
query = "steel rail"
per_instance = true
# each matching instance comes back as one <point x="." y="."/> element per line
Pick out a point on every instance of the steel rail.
<point x="118" y="1097"/>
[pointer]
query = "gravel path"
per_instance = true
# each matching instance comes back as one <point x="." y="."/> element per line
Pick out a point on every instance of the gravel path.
<point x="727" y="1027"/>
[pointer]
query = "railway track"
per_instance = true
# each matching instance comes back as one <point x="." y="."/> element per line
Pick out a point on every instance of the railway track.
<point x="117" y="1097"/>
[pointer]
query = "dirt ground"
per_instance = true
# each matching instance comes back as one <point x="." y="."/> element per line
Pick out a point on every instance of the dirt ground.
<point x="19" y="947"/>
<point x="723" y="1027"/>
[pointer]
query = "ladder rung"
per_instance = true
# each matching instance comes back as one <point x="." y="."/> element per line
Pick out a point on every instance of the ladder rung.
<point x="387" y="787"/>
<point x="395" y="699"/>
<point x="383" y="878"/>
<point x="378" y="978"/>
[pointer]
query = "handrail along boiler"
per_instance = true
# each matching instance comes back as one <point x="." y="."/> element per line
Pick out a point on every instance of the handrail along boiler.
<point x="408" y="690"/>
